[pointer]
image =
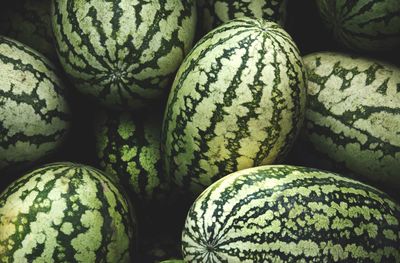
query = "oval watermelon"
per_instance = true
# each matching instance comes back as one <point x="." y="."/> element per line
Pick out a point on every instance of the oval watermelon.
<point x="353" y="114"/>
<point x="237" y="101"/>
<point x="291" y="214"/>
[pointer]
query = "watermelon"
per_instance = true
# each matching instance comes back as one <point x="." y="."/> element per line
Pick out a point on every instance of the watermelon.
<point x="283" y="213"/>
<point x="123" y="53"/>
<point x="216" y="12"/>
<point x="353" y="114"/>
<point x="237" y="101"/>
<point x="363" y="25"/>
<point x="65" y="212"/>
<point x="34" y="115"/>
<point x="128" y="148"/>
<point x="28" y="21"/>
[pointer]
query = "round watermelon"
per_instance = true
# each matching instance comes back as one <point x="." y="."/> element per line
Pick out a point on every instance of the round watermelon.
<point x="123" y="53"/>
<point x="28" y="21"/>
<point x="217" y="12"/>
<point x="34" y="115"/>
<point x="363" y="25"/>
<point x="128" y="148"/>
<point x="65" y="212"/>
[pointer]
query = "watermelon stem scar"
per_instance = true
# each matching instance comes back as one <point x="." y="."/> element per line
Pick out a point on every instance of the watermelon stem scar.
<point x="210" y="248"/>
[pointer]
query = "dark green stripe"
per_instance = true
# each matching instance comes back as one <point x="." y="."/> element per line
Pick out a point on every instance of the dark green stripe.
<point x="207" y="235"/>
<point x="364" y="9"/>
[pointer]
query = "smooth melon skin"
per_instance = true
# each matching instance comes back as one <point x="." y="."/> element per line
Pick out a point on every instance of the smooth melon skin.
<point x="65" y="212"/>
<point x="216" y="12"/>
<point x="363" y="25"/>
<point x="353" y="114"/>
<point x="283" y="213"/>
<point x="123" y="53"/>
<point x="34" y="114"/>
<point x="237" y="101"/>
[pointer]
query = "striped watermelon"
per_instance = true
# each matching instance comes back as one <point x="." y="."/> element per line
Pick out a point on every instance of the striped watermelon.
<point x="367" y="25"/>
<point x="216" y="12"/>
<point x="353" y="116"/>
<point x="128" y="147"/>
<point x="28" y="21"/>
<point x="123" y="52"/>
<point x="34" y="116"/>
<point x="65" y="212"/>
<point x="237" y="101"/>
<point x="291" y="214"/>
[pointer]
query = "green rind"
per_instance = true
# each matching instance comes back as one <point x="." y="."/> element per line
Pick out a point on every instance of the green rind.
<point x="368" y="25"/>
<point x="34" y="116"/>
<point x="217" y="12"/>
<point x="29" y="22"/>
<point x="237" y="101"/>
<point x="128" y="147"/>
<point x="353" y="114"/>
<point x="124" y="52"/>
<point x="65" y="212"/>
<point x="291" y="214"/>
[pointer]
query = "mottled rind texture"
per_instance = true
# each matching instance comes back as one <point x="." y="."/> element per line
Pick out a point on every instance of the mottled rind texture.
<point x="28" y="21"/>
<point x="34" y="116"/>
<point x="237" y="101"/>
<point x="353" y="114"/>
<point x="215" y="12"/>
<point x="291" y="214"/>
<point x="123" y="52"/>
<point x="64" y="213"/>
<point x="368" y="25"/>
<point x="128" y="147"/>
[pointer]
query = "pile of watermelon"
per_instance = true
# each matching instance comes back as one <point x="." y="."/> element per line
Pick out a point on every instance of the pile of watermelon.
<point x="199" y="131"/>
